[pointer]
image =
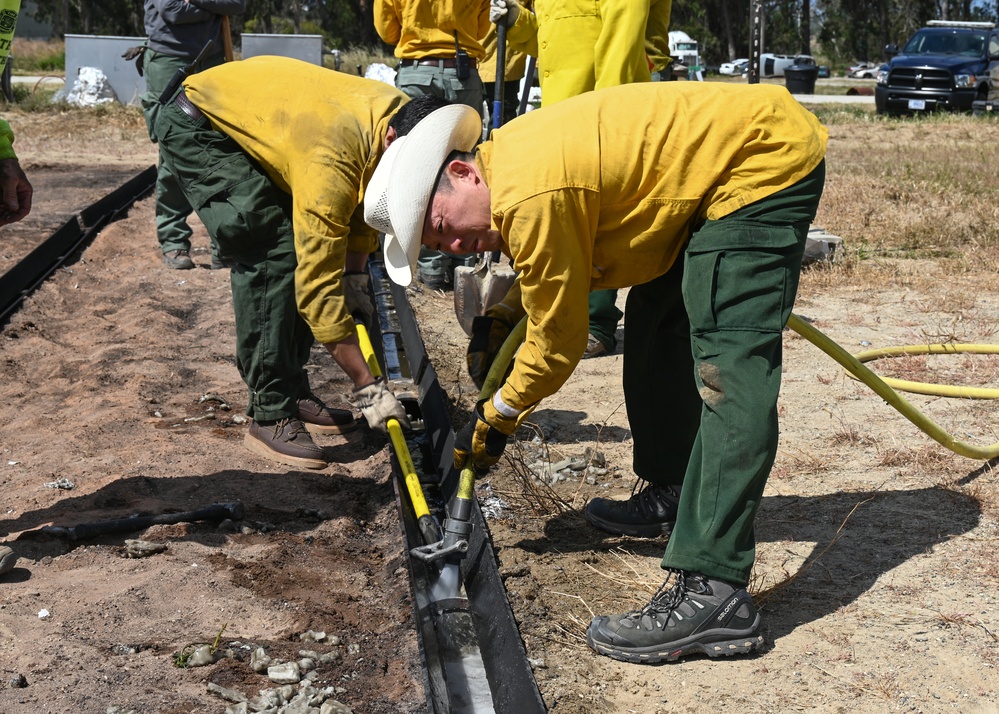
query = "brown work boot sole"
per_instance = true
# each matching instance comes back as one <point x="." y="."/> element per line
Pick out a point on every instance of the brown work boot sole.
<point x="261" y="449"/>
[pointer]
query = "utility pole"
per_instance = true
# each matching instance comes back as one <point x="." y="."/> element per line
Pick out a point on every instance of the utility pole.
<point x="755" y="40"/>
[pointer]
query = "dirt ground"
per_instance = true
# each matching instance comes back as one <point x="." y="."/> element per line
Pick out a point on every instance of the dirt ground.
<point x="120" y="396"/>
<point x="877" y="574"/>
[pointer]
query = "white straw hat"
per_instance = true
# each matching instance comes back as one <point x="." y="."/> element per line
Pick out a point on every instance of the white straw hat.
<point x="397" y="197"/>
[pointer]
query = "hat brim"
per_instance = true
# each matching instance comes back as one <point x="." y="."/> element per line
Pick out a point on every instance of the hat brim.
<point x="414" y="171"/>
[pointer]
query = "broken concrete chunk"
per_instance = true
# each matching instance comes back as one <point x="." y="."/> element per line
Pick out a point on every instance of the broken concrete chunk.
<point x="287" y="673"/>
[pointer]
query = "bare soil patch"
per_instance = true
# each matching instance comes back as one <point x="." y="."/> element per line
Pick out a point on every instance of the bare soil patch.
<point x="115" y="374"/>
<point x="877" y="572"/>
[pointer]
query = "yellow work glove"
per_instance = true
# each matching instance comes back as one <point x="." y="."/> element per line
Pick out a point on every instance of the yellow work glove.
<point x="483" y="443"/>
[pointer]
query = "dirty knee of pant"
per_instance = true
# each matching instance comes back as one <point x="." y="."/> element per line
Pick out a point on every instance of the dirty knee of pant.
<point x="711" y="392"/>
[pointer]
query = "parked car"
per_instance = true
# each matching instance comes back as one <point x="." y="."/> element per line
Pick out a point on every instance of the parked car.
<point x="735" y="68"/>
<point x="863" y="70"/>
<point x="772" y="65"/>
<point x="945" y="65"/>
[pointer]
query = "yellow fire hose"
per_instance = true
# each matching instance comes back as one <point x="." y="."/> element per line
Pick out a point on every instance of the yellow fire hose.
<point x="428" y="527"/>
<point x="466" y="485"/>
<point x="882" y="387"/>
<point x="458" y="525"/>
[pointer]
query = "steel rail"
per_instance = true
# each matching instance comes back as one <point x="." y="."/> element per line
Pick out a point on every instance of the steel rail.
<point x="73" y="236"/>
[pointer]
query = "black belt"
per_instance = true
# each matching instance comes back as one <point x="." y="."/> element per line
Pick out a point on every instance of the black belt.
<point x="187" y="107"/>
<point x="441" y="62"/>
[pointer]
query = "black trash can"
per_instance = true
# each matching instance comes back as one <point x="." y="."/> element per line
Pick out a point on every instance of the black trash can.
<point x="800" y="78"/>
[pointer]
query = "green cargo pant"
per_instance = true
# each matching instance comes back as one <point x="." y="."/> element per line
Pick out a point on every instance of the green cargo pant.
<point x="702" y="372"/>
<point x="172" y="208"/>
<point x="250" y="218"/>
<point x="604" y="317"/>
<point x="443" y="82"/>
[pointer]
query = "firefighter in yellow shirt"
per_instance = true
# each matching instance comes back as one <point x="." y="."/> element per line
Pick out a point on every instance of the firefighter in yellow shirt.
<point x="279" y="189"/>
<point x="15" y="189"/>
<point x="697" y="196"/>
<point x="439" y="46"/>
<point x="582" y="47"/>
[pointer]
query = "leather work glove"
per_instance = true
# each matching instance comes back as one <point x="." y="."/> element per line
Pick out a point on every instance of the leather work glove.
<point x="138" y="54"/>
<point x="480" y="441"/>
<point x="378" y="405"/>
<point x="358" y="297"/>
<point x="505" y="11"/>
<point x="488" y="335"/>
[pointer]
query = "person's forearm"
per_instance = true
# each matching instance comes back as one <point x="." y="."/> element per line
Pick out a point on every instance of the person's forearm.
<point x="347" y="354"/>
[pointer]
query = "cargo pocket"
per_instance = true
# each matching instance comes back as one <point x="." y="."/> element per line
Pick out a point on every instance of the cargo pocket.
<point x="742" y="276"/>
<point x="246" y="216"/>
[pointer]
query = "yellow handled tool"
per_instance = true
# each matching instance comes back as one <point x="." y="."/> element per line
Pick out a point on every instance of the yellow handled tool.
<point x="428" y="526"/>
<point x="458" y="526"/>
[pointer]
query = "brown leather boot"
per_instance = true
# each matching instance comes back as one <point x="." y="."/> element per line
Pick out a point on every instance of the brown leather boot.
<point x="321" y="419"/>
<point x="285" y="441"/>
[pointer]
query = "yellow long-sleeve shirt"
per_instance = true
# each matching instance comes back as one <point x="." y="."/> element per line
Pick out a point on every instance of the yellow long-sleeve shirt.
<point x="613" y="199"/>
<point x="516" y="60"/>
<point x="582" y="46"/>
<point x="657" y="34"/>
<point x="425" y="28"/>
<point x="318" y="134"/>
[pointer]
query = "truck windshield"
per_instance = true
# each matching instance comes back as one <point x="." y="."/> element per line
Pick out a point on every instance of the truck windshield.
<point x="930" y="42"/>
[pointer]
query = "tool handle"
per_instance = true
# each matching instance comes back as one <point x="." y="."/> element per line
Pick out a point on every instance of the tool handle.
<point x="215" y="512"/>
<point x="226" y="39"/>
<point x="500" y="73"/>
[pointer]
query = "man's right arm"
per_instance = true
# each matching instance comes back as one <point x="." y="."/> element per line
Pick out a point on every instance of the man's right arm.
<point x="387" y="22"/>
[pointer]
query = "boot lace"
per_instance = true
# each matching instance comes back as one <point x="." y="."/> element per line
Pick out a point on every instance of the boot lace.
<point x="649" y="495"/>
<point x="290" y="428"/>
<point x="669" y="596"/>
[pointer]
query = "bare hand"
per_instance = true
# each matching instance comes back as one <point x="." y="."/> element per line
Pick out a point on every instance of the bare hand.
<point x="16" y="192"/>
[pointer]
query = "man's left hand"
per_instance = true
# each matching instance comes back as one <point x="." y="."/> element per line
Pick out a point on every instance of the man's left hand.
<point x="483" y="443"/>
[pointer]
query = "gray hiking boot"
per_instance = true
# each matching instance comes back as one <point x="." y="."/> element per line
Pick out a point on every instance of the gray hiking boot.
<point x="321" y="419"/>
<point x="285" y="441"/>
<point x="691" y="614"/>
<point x="650" y="512"/>
<point x="178" y="259"/>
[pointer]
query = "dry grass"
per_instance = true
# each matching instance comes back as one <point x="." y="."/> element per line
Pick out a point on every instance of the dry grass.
<point x="37" y="57"/>
<point x="897" y="194"/>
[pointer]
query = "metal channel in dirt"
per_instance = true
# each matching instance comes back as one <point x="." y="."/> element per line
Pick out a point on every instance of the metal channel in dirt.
<point x="475" y="658"/>
<point x="74" y="235"/>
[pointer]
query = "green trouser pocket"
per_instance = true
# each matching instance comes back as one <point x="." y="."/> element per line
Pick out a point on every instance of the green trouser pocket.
<point x="742" y="275"/>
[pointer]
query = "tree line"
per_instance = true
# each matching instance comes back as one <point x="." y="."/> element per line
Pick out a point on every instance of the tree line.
<point x="839" y="30"/>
